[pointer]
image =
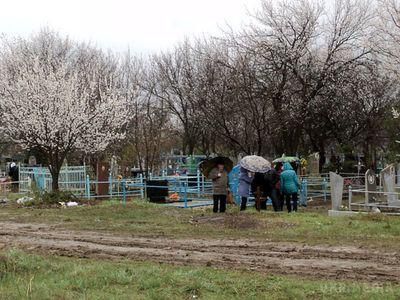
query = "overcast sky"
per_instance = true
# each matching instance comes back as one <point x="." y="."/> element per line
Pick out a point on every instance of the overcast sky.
<point x="143" y="25"/>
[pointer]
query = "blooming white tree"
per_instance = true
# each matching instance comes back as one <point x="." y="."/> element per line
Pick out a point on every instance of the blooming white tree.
<point x="45" y="105"/>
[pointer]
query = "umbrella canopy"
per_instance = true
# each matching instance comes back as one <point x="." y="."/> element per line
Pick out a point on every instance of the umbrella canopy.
<point x="254" y="163"/>
<point x="288" y="159"/>
<point x="207" y="165"/>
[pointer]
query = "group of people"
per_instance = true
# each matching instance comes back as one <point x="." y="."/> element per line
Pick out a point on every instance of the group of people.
<point x="278" y="184"/>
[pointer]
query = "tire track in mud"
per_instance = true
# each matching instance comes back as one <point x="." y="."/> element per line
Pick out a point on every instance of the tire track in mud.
<point x="266" y="257"/>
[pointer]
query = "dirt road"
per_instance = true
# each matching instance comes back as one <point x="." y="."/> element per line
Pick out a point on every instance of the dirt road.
<point x="267" y="257"/>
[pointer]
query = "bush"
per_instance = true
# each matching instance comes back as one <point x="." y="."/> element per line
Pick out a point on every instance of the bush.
<point x="49" y="198"/>
<point x="52" y="198"/>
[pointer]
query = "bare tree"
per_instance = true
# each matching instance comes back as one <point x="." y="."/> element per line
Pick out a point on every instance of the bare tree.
<point x="149" y="130"/>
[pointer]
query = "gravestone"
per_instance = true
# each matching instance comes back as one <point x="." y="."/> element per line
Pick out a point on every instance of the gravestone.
<point x="337" y="183"/>
<point x="114" y="167"/>
<point x="313" y="163"/>
<point x="32" y="161"/>
<point x="103" y="172"/>
<point x="398" y="175"/>
<point x="370" y="186"/>
<point x="388" y="178"/>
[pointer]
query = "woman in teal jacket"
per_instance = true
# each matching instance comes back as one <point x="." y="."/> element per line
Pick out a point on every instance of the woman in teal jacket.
<point x="290" y="186"/>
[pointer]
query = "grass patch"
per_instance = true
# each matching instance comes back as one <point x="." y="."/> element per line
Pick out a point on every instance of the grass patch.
<point x="142" y="218"/>
<point x="46" y="277"/>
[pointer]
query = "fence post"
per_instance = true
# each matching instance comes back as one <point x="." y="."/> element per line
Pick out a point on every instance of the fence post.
<point x="175" y="184"/>
<point x="145" y="189"/>
<point x="87" y="187"/>
<point x="29" y="184"/>
<point x="66" y="178"/>
<point x="110" y="185"/>
<point x="185" y="194"/>
<point x="324" y="184"/>
<point x="303" y="196"/>
<point x="141" y="185"/>
<point x="19" y="178"/>
<point x="306" y="189"/>
<point x="124" y="191"/>
<point x="198" y="183"/>
<point x="302" y="192"/>
<point x="84" y="173"/>
<point x="42" y="177"/>
<point x="350" y="196"/>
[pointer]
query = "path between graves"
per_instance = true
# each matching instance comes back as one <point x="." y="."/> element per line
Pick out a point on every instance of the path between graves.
<point x="267" y="257"/>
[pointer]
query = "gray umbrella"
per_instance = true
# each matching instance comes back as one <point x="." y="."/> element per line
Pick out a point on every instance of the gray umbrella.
<point x="256" y="164"/>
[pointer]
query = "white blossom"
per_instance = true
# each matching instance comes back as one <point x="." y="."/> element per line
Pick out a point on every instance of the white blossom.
<point x="48" y="105"/>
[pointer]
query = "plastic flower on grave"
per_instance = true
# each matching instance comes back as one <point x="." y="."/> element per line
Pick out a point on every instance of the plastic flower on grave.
<point x="304" y="162"/>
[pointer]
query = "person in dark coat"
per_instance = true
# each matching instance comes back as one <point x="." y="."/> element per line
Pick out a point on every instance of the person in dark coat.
<point x="271" y="180"/>
<point x="13" y="173"/>
<point x="259" y="190"/>
<point x="280" y="196"/>
<point x="245" y="180"/>
<point x="220" y="183"/>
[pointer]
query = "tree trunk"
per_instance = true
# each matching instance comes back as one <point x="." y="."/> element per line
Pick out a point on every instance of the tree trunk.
<point x="55" y="168"/>
<point x="55" y="173"/>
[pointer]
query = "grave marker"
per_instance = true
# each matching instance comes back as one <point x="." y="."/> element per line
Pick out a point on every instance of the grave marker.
<point x="370" y="186"/>
<point x="337" y="183"/>
<point x="388" y="177"/>
<point x="313" y="164"/>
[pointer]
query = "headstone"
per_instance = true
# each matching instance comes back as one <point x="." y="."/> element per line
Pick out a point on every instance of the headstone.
<point x="388" y="177"/>
<point x="114" y="167"/>
<point x="337" y="183"/>
<point x="103" y="169"/>
<point x="398" y="175"/>
<point x="32" y="161"/>
<point x="313" y="163"/>
<point x="370" y="186"/>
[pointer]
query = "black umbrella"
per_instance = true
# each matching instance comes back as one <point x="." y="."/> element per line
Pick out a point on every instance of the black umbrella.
<point x="207" y="165"/>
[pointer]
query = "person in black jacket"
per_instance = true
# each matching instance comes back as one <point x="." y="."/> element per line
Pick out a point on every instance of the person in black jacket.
<point x="13" y="173"/>
<point x="264" y="186"/>
<point x="259" y="190"/>
<point x="271" y="179"/>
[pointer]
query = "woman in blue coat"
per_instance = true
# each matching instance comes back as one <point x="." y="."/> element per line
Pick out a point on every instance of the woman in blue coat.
<point x="245" y="181"/>
<point x="290" y="186"/>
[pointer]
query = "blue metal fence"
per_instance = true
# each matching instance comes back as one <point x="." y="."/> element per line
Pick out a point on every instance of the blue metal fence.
<point x="72" y="178"/>
<point x="192" y="190"/>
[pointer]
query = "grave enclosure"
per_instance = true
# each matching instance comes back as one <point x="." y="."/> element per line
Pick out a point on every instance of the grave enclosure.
<point x="380" y="194"/>
<point x="349" y="193"/>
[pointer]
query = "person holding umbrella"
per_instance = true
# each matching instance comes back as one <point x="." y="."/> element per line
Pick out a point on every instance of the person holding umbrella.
<point x="220" y="184"/>
<point x="245" y="180"/>
<point x="258" y="166"/>
<point x="290" y="186"/>
<point x="293" y="160"/>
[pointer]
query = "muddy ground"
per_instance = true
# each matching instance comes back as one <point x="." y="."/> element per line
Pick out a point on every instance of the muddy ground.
<point x="320" y="262"/>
